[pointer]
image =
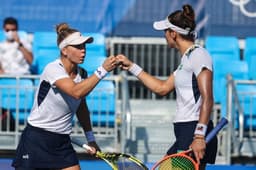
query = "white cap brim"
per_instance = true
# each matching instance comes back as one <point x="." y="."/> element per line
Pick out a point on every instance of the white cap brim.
<point x="81" y="40"/>
<point x="165" y="24"/>
<point x="75" y="38"/>
<point x="161" y="25"/>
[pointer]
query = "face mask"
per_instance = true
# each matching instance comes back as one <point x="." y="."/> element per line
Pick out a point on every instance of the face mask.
<point x="9" y="35"/>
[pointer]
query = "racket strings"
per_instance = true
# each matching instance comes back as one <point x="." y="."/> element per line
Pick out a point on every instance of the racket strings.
<point x="177" y="163"/>
<point x="184" y="163"/>
<point x="125" y="163"/>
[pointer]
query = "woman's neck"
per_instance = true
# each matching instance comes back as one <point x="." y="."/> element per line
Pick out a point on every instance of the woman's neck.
<point x="70" y="67"/>
<point x="185" y="46"/>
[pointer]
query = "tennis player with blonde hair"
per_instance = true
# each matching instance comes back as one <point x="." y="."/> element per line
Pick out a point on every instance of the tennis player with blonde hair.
<point x="192" y="81"/>
<point x="45" y="142"/>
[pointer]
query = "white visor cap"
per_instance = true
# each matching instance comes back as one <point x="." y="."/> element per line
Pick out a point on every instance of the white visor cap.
<point x="75" y="38"/>
<point x="165" y="24"/>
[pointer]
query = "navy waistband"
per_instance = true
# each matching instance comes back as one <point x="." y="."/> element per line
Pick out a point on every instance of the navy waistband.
<point x="41" y="130"/>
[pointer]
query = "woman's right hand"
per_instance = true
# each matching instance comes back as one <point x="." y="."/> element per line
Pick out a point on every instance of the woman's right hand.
<point x="110" y="63"/>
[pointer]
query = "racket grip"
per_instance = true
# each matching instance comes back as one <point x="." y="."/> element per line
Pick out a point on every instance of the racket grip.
<point x="81" y="144"/>
<point x="218" y="127"/>
<point x="88" y="148"/>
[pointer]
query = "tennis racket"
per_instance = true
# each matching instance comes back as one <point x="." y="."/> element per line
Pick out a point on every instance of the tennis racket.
<point x="118" y="161"/>
<point x="183" y="160"/>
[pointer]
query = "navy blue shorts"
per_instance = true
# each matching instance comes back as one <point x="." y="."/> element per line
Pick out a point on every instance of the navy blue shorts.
<point x="184" y="133"/>
<point x="43" y="149"/>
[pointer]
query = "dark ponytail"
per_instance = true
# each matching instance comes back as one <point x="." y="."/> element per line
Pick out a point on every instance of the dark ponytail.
<point x="185" y="19"/>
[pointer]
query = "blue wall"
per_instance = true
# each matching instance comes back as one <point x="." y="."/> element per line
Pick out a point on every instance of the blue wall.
<point x="129" y="17"/>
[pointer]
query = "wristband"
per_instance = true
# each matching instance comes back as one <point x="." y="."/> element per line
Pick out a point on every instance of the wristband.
<point x="89" y="136"/>
<point x="200" y="129"/>
<point x="100" y="72"/>
<point x="135" y="69"/>
<point x="199" y="137"/>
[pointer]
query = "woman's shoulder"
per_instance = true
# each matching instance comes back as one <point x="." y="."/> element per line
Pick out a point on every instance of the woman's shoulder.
<point x="56" y="64"/>
<point x="200" y="55"/>
<point x="200" y="52"/>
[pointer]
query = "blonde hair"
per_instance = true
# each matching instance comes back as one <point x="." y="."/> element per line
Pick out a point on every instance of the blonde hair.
<point x="63" y="30"/>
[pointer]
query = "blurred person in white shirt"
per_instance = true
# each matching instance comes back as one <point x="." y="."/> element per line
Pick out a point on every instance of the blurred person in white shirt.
<point x="15" y="52"/>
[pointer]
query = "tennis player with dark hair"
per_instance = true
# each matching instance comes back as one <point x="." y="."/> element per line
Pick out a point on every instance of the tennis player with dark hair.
<point x="45" y="142"/>
<point x="192" y="81"/>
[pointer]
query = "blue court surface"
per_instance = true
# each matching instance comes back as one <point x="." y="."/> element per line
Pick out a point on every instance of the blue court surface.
<point x="5" y="164"/>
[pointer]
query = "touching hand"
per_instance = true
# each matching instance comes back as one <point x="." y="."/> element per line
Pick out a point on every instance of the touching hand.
<point x="123" y="62"/>
<point x="110" y="63"/>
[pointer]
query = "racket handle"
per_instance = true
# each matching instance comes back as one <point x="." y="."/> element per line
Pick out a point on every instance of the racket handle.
<point x="81" y="144"/>
<point x="218" y="127"/>
<point x="88" y="148"/>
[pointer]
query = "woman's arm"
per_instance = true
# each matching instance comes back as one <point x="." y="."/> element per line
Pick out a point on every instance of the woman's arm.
<point x="204" y="80"/>
<point x="205" y="87"/>
<point x="79" y="90"/>
<point x="83" y="115"/>
<point x="161" y="87"/>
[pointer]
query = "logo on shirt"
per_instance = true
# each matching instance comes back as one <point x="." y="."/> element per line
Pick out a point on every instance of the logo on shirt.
<point x="25" y="156"/>
<point x="180" y="66"/>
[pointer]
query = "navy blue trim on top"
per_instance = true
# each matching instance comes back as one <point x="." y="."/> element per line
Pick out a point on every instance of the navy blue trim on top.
<point x="43" y="91"/>
<point x="196" y="92"/>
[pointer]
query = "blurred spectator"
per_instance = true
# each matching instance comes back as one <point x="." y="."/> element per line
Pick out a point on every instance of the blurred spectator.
<point x="15" y="52"/>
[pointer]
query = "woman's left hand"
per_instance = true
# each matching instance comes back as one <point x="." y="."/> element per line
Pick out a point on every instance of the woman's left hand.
<point x="95" y="145"/>
<point x="198" y="146"/>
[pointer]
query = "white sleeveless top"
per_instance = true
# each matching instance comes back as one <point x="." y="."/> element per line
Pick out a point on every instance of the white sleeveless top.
<point x="188" y="100"/>
<point x="53" y="110"/>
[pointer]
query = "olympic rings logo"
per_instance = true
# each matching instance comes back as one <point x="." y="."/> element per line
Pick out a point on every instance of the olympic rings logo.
<point x="242" y="4"/>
